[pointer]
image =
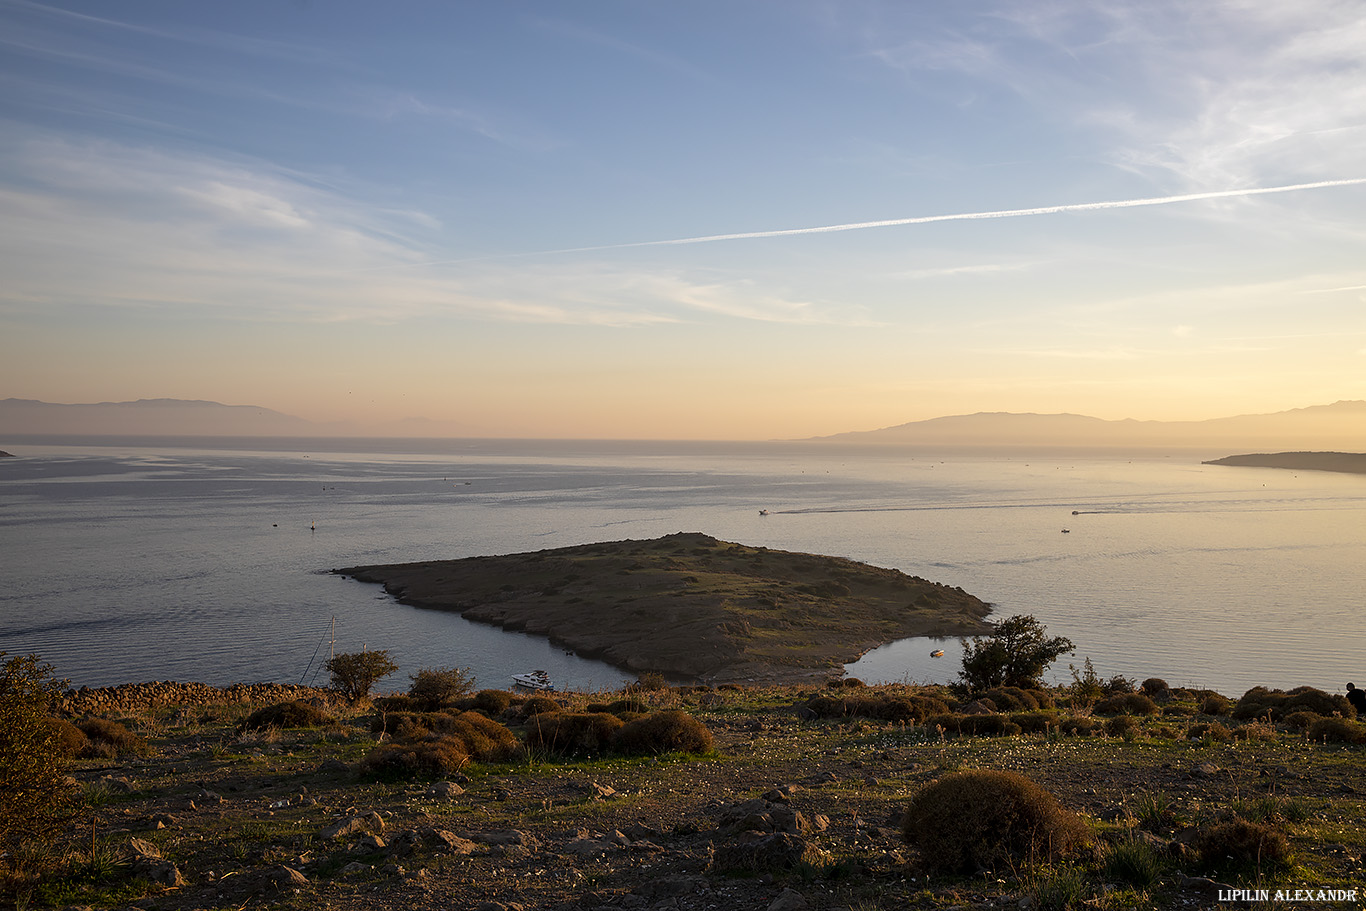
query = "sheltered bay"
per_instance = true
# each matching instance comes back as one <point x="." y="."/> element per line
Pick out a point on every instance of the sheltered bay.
<point x="690" y="606"/>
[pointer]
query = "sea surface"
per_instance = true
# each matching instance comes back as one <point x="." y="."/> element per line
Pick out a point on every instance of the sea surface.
<point x="132" y="560"/>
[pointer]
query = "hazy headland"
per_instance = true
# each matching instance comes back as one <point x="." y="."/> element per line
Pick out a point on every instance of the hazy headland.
<point x="1348" y="462"/>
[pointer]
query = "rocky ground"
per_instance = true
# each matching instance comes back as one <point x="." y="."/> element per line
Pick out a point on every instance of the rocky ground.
<point x="790" y="812"/>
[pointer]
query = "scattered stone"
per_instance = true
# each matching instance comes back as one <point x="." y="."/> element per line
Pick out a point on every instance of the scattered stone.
<point x="355" y="825"/>
<point x="355" y="867"/>
<point x="370" y="842"/>
<point x="587" y="847"/>
<point x="118" y="784"/>
<point x="758" y="815"/>
<point x="507" y="837"/>
<point x="209" y="798"/>
<point x="445" y="790"/>
<point x="1206" y="770"/>
<point x="448" y="841"/>
<point x="789" y="900"/>
<point x="138" y="849"/>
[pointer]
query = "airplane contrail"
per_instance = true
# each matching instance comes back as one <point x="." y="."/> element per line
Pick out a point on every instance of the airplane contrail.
<point x="927" y="219"/>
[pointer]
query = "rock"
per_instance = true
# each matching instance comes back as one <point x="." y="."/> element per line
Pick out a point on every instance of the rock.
<point x="507" y="837"/>
<point x="587" y="847"/>
<point x="448" y="841"/>
<point x="209" y="798"/>
<point x="137" y="848"/>
<point x="1205" y="770"/>
<point x="502" y="794"/>
<point x="445" y="790"/>
<point x="371" y="843"/>
<point x="789" y="900"/>
<point x="161" y="872"/>
<point x="334" y="765"/>
<point x="355" y="825"/>
<point x="1203" y="886"/>
<point x="780" y="794"/>
<point x="119" y="784"/>
<point x="355" y="867"/>
<point x="672" y="887"/>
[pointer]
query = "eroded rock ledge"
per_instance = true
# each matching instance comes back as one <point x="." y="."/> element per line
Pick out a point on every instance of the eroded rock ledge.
<point x="690" y="606"/>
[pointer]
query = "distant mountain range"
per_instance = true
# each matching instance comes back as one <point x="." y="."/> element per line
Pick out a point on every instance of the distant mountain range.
<point x="1338" y="427"/>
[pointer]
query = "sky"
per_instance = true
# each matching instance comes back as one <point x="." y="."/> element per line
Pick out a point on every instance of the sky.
<point x="593" y="220"/>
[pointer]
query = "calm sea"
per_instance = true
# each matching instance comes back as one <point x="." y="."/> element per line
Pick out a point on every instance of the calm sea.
<point x="151" y="561"/>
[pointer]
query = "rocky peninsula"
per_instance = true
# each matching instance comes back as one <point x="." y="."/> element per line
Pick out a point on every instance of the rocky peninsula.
<point x="689" y="606"/>
<point x="1349" y="462"/>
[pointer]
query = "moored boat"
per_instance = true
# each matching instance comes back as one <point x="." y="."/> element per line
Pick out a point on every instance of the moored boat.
<point x="533" y="680"/>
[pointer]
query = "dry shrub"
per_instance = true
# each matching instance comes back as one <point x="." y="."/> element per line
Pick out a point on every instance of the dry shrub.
<point x="68" y="741"/>
<point x="397" y="703"/>
<point x="294" y="714"/>
<point x="852" y="682"/>
<point x="492" y="702"/>
<point x="1212" y="731"/>
<point x="109" y="739"/>
<point x="538" y="705"/>
<point x="1336" y="730"/>
<point x="436" y="757"/>
<point x="885" y="708"/>
<point x="947" y="721"/>
<point x="1078" y="725"/>
<point x="988" y="725"/>
<point x="1015" y="699"/>
<point x="403" y="725"/>
<point x="1300" y="721"/>
<point x="1215" y="705"/>
<point x="650" y="681"/>
<point x="1127" y="704"/>
<point x="968" y="821"/>
<point x="569" y="733"/>
<point x="664" y="732"/>
<point x="483" y="738"/>
<point x="1155" y="688"/>
<point x="435" y="687"/>
<point x="1125" y="726"/>
<point x="631" y="705"/>
<point x="1240" y="845"/>
<point x="1035" y="722"/>
<point x="1260" y="702"/>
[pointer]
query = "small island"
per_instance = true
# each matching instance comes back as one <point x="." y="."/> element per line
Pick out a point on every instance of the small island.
<point x="1349" y="462"/>
<point x="689" y="606"/>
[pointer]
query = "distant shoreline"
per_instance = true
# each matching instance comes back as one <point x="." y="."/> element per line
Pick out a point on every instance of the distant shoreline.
<point x="1343" y="462"/>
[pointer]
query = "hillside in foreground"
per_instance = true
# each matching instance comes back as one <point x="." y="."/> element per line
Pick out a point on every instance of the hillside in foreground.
<point x="690" y="606"/>
<point x="797" y="805"/>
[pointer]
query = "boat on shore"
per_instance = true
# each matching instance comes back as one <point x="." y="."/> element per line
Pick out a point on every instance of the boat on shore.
<point x="533" y="680"/>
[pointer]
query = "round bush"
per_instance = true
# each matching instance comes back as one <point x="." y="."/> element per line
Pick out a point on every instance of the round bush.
<point x="434" y="687"/>
<point x="539" y="705"/>
<point x="68" y="740"/>
<point x="1127" y="704"/>
<point x="1078" y="725"/>
<point x="569" y="733"/>
<point x="664" y="732"/>
<point x="436" y="757"/>
<point x="1125" y="726"/>
<point x="1155" y="688"/>
<point x="1239" y="844"/>
<point x="975" y="820"/>
<point x="492" y="702"/>
<point x="108" y="739"/>
<point x="294" y="714"/>
<point x="1336" y="730"/>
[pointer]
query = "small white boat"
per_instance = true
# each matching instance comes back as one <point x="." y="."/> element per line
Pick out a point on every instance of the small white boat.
<point x="937" y="653"/>
<point x="534" y="680"/>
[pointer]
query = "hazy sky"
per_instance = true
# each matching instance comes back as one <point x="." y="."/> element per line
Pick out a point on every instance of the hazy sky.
<point x="369" y="211"/>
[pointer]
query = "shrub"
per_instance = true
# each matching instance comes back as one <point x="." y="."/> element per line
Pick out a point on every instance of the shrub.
<point x="1015" y="654"/>
<point x="948" y="721"/>
<point x="1118" y="684"/>
<point x="987" y="819"/>
<point x="108" y="739"/>
<point x="435" y="687"/>
<point x="1238" y="844"/>
<point x="651" y="681"/>
<point x="295" y="714"/>
<point x="1309" y="699"/>
<point x="436" y="757"/>
<point x="492" y="702"/>
<point x="35" y="799"/>
<point x="1125" y="726"/>
<point x="1078" y="725"/>
<point x="398" y="703"/>
<point x="664" y="732"/>
<point x="1155" y="688"/>
<point x="632" y="705"/>
<point x="68" y="740"/>
<point x="538" y="705"/>
<point x="569" y="733"/>
<point x="1211" y="731"/>
<point x="852" y="683"/>
<point x="1336" y="730"/>
<point x="988" y="726"/>
<point x="1035" y="722"/>
<point x="1127" y="704"/>
<point x="1011" y="699"/>
<point x="1301" y="721"/>
<point x="354" y="673"/>
<point x="1215" y="705"/>
<point x="1135" y="863"/>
